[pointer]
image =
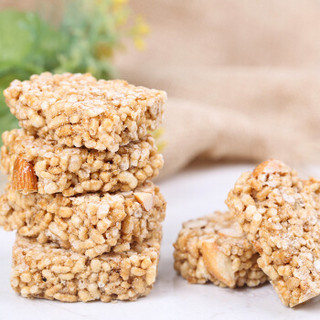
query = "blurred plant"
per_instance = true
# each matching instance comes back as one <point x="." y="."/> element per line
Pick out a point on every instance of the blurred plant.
<point x="85" y="40"/>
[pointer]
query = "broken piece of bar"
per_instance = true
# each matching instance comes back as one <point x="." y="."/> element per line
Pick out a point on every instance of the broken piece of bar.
<point x="78" y="110"/>
<point x="49" y="272"/>
<point x="90" y="224"/>
<point x="279" y="213"/>
<point x="213" y="248"/>
<point x="79" y="170"/>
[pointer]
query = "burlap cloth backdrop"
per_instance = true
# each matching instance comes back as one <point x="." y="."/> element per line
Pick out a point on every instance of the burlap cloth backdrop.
<point x="242" y="77"/>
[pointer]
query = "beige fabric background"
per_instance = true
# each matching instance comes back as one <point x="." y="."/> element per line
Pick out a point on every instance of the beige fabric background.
<point x="243" y="77"/>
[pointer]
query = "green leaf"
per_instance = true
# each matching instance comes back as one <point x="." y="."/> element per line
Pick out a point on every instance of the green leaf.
<point x="15" y="40"/>
<point x="30" y="45"/>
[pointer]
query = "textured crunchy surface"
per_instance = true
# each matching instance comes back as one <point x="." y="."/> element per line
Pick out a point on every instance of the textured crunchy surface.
<point x="191" y="256"/>
<point x="49" y="272"/>
<point x="78" y="110"/>
<point x="91" y="224"/>
<point x="279" y="212"/>
<point x="80" y="170"/>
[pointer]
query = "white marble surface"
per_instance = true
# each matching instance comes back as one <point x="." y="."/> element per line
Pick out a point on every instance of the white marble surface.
<point x="190" y="194"/>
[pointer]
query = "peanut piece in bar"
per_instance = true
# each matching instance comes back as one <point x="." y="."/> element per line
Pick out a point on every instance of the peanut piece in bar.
<point x="24" y="178"/>
<point x="213" y="248"/>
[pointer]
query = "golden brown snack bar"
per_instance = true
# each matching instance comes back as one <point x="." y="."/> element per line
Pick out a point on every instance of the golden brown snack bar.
<point x="279" y="212"/>
<point x="213" y="248"/>
<point x="49" y="272"/>
<point x="78" y="110"/>
<point x="80" y="170"/>
<point x="91" y="224"/>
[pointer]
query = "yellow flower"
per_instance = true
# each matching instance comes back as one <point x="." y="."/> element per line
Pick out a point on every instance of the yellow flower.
<point x="139" y="30"/>
<point x="141" y="27"/>
<point x="121" y="18"/>
<point x="139" y="43"/>
<point x="118" y="4"/>
<point x="157" y="134"/>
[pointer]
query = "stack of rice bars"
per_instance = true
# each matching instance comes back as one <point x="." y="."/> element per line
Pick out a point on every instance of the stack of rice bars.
<point x="87" y="216"/>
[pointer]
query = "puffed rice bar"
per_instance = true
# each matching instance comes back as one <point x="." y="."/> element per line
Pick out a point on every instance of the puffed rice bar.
<point x="213" y="248"/>
<point x="78" y="110"/>
<point x="80" y="170"/>
<point x="49" y="272"/>
<point x="279" y="212"/>
<point x="91" y="224"/>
